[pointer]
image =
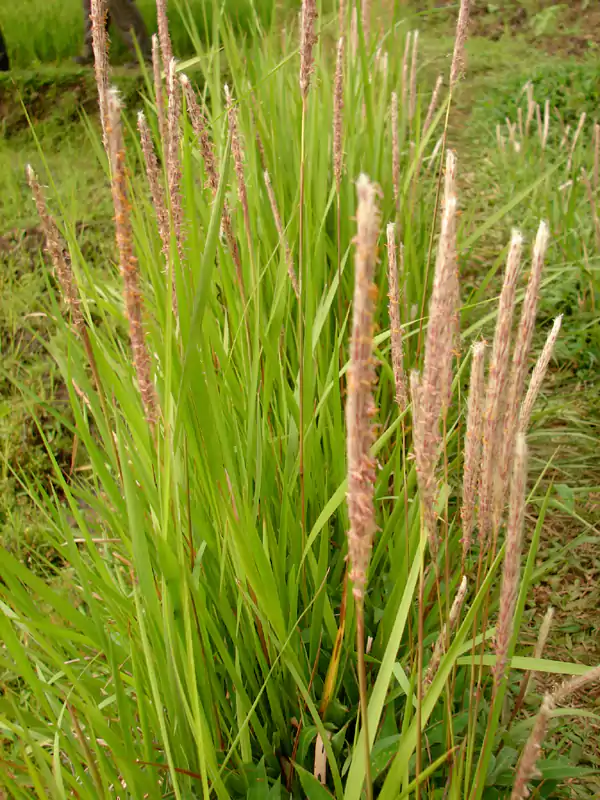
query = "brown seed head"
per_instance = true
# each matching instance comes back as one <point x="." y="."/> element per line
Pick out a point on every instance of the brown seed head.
<point x="395" y="149"/>
<point x="163" y="31"/>
<point x="496" y="388"/>
<point x="154" y="181"/>
<point x="55" y="247"/>
<point x="520" y="366"/>
<point x="99" y="10"/>
<point x="537" y="378"/>
<point x="473" y="436"/>
<point x="308" y="39"/>
<point x="360" y="406"/>
<point x="338" y="106"/>
<point x="289" y="259"/>
<point x="412" y="100"/>
<point x="458" y="57"/>
<point x="394" y="312"/>
<point x="159" y="91"/>
<point x="527" y="769"/>
<point x="127" y="261"/>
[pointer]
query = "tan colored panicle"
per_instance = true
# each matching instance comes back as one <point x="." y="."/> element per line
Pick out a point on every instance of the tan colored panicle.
<point x="127" y="261"/>
<point x="575" y="140"/>
<point x="405" y="58"/>
<point x="458" y="57"/>
<point x="596" y="155"/>
<point x="341" y="18"/>
<point x="360" y="405"/>
<point x="365" y="7"/>
<point x="527" y="769"/>
<point x="154" y="181"/>
<point x="338" y="107"/>
<point x="412" y="100"/>
<point x="512" y="561"/>
<point x="520" y="121"/>
<point x="512" y="135"/>
<point x="289" y="259"/>
<point x="99" y="10"/>
<point x="55" y="247"/>
<point x="496" y="387"/>
<point x="354" y="33"/>
<point x="308" y="39"/>
<point x="520" y="366"/>
<point x="394" y="312"/>
<point x="163" y="32"/>
<point x="395" y="149"/>
<point x="200" y="128"/>
<point x="546" y="124"/>
<point x="592" y="201"/>
<point x="238" y="156"/>
<point x="431" y="391"/>
<point x="530" y="108"/>
<point x="473" y="442"/>
<point x="447" y="629"/>
<point x="434" y="152"/>
<point x="574" y="685"/>
<point x="499" y="138"/>
<point x="537" y="378"/>
<point x="159" y="91"/>
<point x="173" y="156"/>
<point x="433" y="104"/>
<point x="452" y="258"/>
<point x="540" y="644"/>
<point x="538" y="117"/>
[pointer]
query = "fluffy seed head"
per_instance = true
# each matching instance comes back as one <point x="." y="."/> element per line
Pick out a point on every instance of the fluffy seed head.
<point x="127" y="261"/>
<point x="472" y="463"/>
<point x="282" y="237"/>
<point x="527" y="769"/>
<point x="154" y="181"/>
<point x="448" y="627"/>
<point x="395" y="148"/>
<point x="338" y="106"/>
<point x="173" y="158"/>
<point x="431" y="392"/>
<point x="163" y="31"/>
<point x="308" y="39"/>
<point x="433" y="104"/>
<point x="496" y="388"/>
<point x="394" y="312"/>
<point x="99" y="10"/>
<point x="55" y="247"/>
<point x="520" y="366"/>
<point x="159" y="90"/>
<point x="458" y="57"/>
<point x="360" y="406"/>
<point x="537" y="378"/>
<point x="412" y="101"/>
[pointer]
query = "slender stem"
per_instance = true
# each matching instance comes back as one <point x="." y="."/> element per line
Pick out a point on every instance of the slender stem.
<point x="419" y="754"/>
<point x="362" y="688"/>
<point x="301" y="320"/>
<point x="339" y="257"/>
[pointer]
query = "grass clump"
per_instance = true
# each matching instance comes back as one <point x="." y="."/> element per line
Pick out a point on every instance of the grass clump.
<point x="237" y="453"/>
